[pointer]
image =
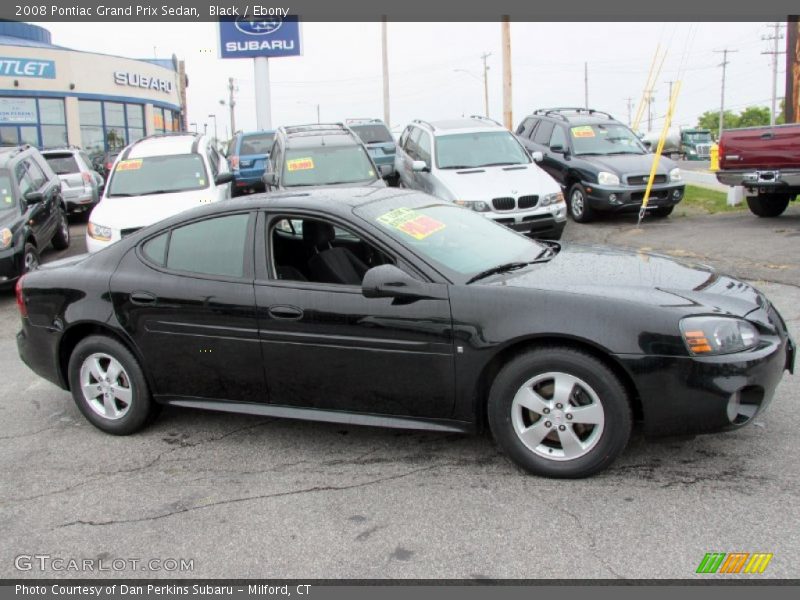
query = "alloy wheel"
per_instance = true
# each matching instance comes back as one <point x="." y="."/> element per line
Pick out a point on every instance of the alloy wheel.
<point x="106" y="386"/>
<point x="576" y="203"/>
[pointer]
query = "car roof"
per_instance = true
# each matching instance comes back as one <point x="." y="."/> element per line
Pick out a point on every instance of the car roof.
<point x="574" y="116"/>
<point x="9" y="153"/>
<point x="474" y="124"/>
<point x="162" y="145"/>
<point x="318" y="134"/>
<point x="244" y="134"/>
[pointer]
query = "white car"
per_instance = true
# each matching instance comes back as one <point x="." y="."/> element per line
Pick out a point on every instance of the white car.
<point x="480" y="165"/>
<point x="155" y="178"/>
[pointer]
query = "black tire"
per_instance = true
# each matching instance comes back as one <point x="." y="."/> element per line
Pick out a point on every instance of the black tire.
<point x="141" y="409"/>
<point x="616" y="409"/>
<point x="578" y="204"/>
<point x="768" y="205"/>
<point x="30" y="258"/>
<point x="663" y="211"/>
<point x="61" y="238"/>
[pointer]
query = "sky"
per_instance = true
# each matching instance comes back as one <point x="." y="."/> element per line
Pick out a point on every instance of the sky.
<point x="435" y="70"/>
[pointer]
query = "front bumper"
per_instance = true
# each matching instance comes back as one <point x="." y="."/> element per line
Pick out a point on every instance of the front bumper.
<point x="629" y="198"/>
<point x="9" y="267"/>
<point x="547" y="222"/>
<point x="691" y="395"/>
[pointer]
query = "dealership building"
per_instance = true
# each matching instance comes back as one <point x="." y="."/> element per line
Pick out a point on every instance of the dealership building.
<point x="54" y="96"/>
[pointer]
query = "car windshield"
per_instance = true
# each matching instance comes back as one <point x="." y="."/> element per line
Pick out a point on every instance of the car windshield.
<point x="327" y="165"/>
<point x="158" y="175"/>
<point x="605" y="139"/>
<point x="696" y="137"/>
<point x="481" y="149"/>
<point x="459" y="242"/>
<point x="6" y="192"/>
<point x="257" y="144"/>
<point x="62" y="164"/>
<point x="373" y="133"/>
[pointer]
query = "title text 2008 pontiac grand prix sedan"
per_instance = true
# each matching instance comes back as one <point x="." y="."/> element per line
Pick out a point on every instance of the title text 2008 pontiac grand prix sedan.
<point x="389" y="307"/>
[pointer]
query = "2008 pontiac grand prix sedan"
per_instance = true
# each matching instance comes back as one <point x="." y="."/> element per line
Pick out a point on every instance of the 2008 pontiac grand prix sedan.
<point x="389" y="307"/>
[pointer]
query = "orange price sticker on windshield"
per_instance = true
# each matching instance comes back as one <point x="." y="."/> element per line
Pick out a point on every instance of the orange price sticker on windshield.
<point x="129" y="165"/>
<point x="584" y="131"/>
<point x="411" y="223"/>
<point x="299" y="164"/>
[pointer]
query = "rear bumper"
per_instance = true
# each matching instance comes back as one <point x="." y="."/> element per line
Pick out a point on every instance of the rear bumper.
<point x="79" y="202"/>
<point x="777" y="181"/>
<point x="38" y="349"/>
<point x="624" y="198"/>
<point x="683" y="395"/>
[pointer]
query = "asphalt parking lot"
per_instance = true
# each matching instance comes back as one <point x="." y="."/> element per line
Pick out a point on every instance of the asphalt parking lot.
<point x="254" y="497"/>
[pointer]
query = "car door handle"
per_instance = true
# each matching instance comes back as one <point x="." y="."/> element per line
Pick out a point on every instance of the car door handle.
<point x="142" y="298"/>
<point x="767" y="136"/>
<point x="291" y="313"/>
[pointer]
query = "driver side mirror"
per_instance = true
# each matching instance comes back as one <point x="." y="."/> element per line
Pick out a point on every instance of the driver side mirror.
<point x="98" y="179"/>
<point x="223" y="178"/>
<point x="34" y="197"/>
<point x="387" y="281"/>
<point x="420" y="166"/>
<point x="269" y="178"/>
<point x="648" y="144"/>
<point x="386" y="171"/>
<point x="558" y="149"/>
<point x="537" y="156"/>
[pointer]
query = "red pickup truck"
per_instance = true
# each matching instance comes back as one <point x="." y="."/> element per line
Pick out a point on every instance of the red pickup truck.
<point x="766" y="162"/>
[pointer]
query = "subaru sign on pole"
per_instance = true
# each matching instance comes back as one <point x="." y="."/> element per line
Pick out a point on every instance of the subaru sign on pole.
<point x="253" y="37"/>
<point x="260" y="39"/>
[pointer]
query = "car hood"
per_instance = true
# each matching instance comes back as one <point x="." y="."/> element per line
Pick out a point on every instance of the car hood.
<point x="639" y="277"/>
<point x="140" y="211"/>
<point x="630" y="164"/>
<point x="379" y="183"/>
<point x="492" y="182"/>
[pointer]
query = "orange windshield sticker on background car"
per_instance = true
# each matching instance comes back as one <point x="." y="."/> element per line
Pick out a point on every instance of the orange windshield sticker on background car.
<point x="582" y="132"/>
<point x="411" y="223"/>
<point x="299" y="164"/>
<point x="129" y="165"/>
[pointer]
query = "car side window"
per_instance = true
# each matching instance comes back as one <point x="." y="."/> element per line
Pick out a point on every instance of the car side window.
<point x="189" y="249"/>
<point x="558" y="138"/>
<point x="24" y="181"/>
<point x="412" y="145"/>
<point x="525" y="127"/>
<point x="319" y="251"/>
<point x="403" y="138"/>
<point x="155" y="249"/>
<point x="542" y="133"/>
<point x="38" y="178"/>
<point x="424" y="150"/>
<point x="213" y="161"/>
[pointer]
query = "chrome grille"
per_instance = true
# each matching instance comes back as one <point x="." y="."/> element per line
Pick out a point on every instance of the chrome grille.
<point x="642" y="179"/>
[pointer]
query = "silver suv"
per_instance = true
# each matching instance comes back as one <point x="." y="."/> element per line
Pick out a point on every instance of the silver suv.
<point x="80" y="183"/>
<point x="478" y="164"/>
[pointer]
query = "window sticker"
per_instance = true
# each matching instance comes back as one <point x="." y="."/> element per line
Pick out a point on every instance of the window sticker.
<point x="411" y="223"/>
<point x="201" y="181"/>
<point x="585" y="131"/>
<point x="300" y="164"/>
<point x="129" y="165"/>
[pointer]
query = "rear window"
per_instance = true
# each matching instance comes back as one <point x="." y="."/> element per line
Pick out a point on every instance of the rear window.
<point x="257" y="144"/>
<point x="62" y="164"/>
<point x="373" y="133"/>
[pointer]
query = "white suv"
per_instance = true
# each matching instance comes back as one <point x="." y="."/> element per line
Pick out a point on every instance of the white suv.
<point x="480" y="165"/>
<point x="155" y="178"/>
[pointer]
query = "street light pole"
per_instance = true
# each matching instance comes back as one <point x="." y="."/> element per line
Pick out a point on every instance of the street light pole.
<point x="194" y="125"/>
<point x="215" y="126"/>
<point x="484" y="56"/>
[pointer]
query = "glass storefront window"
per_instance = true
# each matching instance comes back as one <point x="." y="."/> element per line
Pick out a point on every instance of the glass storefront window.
<point x="54" y="136"/>
<point x="134" y="134"/>
<point x="51" y="111"/>
<point x="167" y="120"/>
<point x="91" y="112"/>
<point x="92" y="139"/>
<point x="114" y="114"/>
<point x="115" y="138"/>
<point x="135" y="115"/>
<point x="110" y="126"/>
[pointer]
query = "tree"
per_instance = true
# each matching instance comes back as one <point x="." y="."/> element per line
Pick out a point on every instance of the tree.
<point x="710" y="120"/>
<point x="754" y="116"/>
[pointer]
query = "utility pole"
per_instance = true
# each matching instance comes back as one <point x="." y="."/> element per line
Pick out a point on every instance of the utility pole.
<point x="586" y="85"/>
<point x="232" y="103"/>
<point x="214" y="116"/>
<point x="669" y="98"/>
<point x="318" y="121"/>
<point x="484" y="56"/>
<point x="650" y="99"/>
<point x="724" y="66"/>
<point x="630" y="106"/>
<point x="505" y="34"/>
<point x="385" y="49"/>
<point x="775" y="38"/>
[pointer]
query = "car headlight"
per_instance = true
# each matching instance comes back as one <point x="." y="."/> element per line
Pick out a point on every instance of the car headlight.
<point x="99" y="232"/>
<point x="549" y="199"/>
<point x="605" y="178"/>
<point x="706" y="336"/>
<point x="675" y="175"/>
<point x="691" y="151"/>
<point x="5" y="238"/>
<point x="476" y="205"/>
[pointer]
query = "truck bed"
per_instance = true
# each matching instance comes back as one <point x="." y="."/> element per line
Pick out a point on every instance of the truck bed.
<point x="761" y="148"/>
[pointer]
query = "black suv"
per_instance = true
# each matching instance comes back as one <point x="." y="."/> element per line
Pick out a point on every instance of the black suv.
<point x="321" y="155"/>
<point x="599" y="162"/>
<point x="32" y="211"/>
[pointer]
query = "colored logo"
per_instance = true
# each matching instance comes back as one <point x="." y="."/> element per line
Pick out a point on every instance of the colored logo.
<point x="253" y="26"/>
<point x="734" y="563"/>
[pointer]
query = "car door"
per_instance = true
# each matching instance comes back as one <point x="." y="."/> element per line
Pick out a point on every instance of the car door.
<point x="554" y="163"/>
<point x="409" y="155"/>
<point x="326" y="346"/>
<point x="540" y="142"/>
<point x="424" y="179"/>
<point x="185" y="297"/>
<point x="220" y="191"/>
<point x="40" y="214"/>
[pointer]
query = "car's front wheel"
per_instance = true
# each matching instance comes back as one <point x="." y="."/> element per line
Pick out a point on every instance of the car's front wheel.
<point x="578" y="203"/>
<point x="559" y="412"/>
<point x="108" y="386"/>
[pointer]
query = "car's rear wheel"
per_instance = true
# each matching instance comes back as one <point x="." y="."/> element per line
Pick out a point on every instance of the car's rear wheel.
<point x="109" y="387"/>
<point x="578" y="203"/>
<point x="30" y="258"/>
<point x="559" y="412"/>
<point x="768" y="205"/>
<point x="61" y="237"/>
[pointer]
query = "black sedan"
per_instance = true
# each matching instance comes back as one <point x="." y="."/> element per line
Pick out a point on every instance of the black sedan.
<point x="389" y="307"/>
